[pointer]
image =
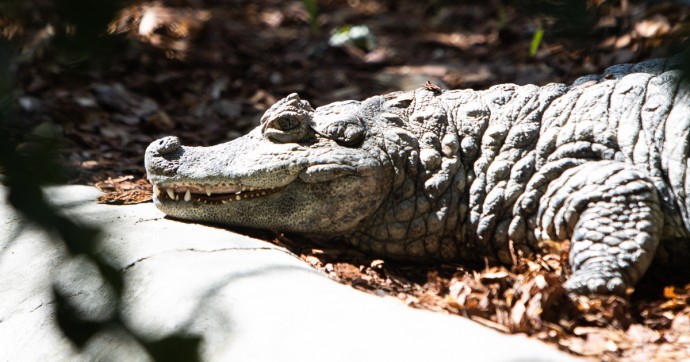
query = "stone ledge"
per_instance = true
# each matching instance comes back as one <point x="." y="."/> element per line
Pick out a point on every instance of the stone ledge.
<point x="249" y="299"/>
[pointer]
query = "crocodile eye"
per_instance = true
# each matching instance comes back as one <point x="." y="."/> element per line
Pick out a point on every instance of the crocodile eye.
<point x="288" y="120"/>
<point x="286" y="123"/>
<point x="287" y="128"/>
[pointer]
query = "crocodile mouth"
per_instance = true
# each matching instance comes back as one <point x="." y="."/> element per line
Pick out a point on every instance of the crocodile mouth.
<point x="209" y="194"/>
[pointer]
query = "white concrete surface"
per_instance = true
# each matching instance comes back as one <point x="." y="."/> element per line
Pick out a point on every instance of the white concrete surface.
<point x="249" y="299"/>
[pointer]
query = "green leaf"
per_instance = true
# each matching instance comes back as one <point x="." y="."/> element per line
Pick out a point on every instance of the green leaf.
<point x="536" y="41"/>
<point x="310" y="6"/>
<point x="502" y="17"/>
<point x="358" y="35"/>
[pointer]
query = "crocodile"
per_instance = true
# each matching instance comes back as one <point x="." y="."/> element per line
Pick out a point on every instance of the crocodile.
<point x="597" y="167"/>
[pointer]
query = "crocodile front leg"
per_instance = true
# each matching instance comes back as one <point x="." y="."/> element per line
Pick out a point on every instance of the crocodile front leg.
<point x="612" y="215"/>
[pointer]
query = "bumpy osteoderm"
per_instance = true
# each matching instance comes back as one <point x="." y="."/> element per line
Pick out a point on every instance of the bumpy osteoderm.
<point x="432" y="175"/>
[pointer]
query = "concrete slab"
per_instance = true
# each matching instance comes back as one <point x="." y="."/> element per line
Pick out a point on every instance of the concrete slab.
<point x="250" y="300"/>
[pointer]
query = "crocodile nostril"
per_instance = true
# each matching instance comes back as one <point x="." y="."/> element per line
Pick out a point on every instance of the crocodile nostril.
<point x="161" y="156"/>
<point x="166" y="145"/>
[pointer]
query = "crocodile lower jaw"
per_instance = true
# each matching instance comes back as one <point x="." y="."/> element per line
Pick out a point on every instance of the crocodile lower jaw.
<point x="207" y="194"/>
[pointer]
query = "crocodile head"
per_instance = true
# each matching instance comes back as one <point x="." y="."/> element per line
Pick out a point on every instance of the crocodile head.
<point x="302" y="170"/>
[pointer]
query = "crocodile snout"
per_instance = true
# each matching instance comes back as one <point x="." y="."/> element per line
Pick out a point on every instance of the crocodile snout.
<point x="164" y="146"/>
<point x="162" y="155"/>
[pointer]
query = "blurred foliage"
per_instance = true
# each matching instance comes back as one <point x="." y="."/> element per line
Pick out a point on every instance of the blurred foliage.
<point x="73" y="30"/>
<point x="358" y="36"/>
<point x="566" y="19"/>
<point x="536" y="41"/>
<point x="313" y="11"/>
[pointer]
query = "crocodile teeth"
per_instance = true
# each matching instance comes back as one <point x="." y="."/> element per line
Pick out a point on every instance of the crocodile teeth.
<point x="187" y="196"/>
<point x="208" y="191"/>
<point x="156" y="190"/>
<point x="171" y="193"/>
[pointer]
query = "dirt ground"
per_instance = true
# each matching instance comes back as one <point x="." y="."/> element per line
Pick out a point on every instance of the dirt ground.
<point x="205" y="70"/>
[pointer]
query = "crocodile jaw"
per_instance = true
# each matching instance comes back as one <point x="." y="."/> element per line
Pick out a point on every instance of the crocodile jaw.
<point x="298" y="207"/>
<point x="208" y="194"/>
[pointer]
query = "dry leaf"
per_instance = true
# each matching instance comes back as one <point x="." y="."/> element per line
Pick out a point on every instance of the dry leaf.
<point x="653" y="27"/>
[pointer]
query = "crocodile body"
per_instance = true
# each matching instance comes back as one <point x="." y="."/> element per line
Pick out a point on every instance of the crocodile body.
<point x="431" y="175"/>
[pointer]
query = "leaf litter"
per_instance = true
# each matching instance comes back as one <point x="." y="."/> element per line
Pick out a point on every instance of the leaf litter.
<point x="527" y="298"/>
